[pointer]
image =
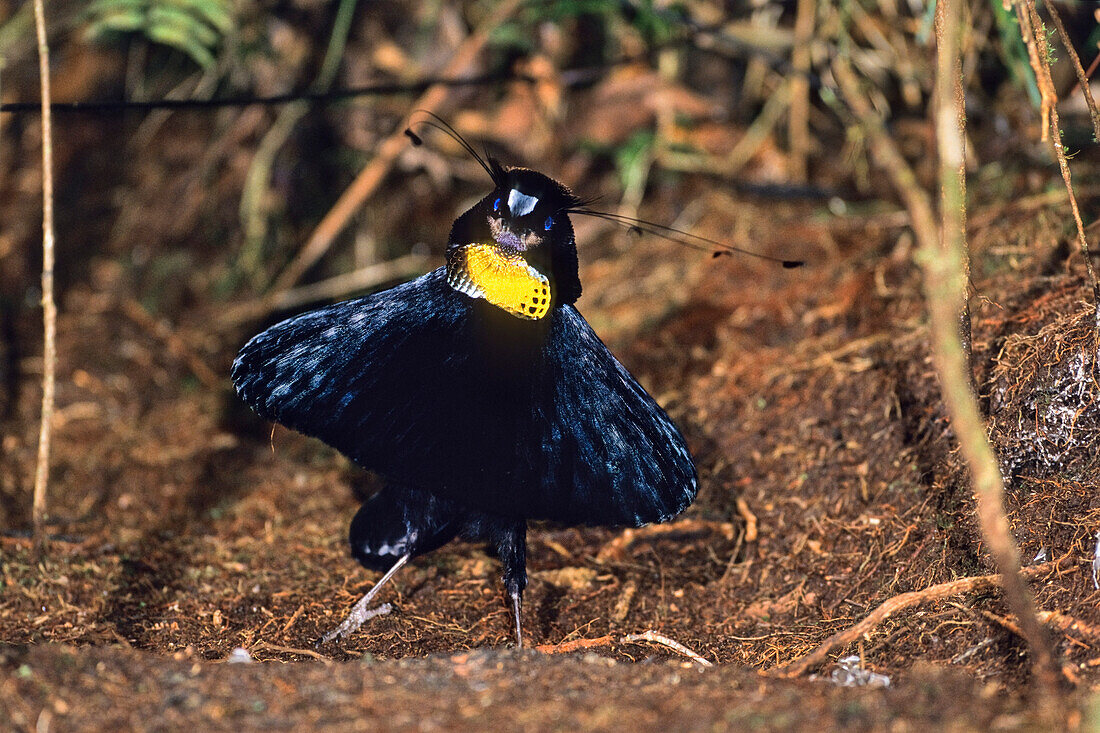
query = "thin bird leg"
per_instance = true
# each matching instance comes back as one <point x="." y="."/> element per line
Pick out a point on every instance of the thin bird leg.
<point x="359" y="612"/>
<point x="517" y="602"/>
<point x="512" y="548"/>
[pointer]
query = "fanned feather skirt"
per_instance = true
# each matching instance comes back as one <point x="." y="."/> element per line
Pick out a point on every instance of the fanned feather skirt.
<point x="435" y="390"/>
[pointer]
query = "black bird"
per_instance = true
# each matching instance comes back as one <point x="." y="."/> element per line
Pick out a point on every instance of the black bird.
<point x="478" y="393"/>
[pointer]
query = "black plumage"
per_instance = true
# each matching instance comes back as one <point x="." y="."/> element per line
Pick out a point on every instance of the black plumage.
<point x="476" y="418"/>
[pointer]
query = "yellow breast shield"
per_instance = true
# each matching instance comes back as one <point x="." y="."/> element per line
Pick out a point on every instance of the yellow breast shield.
<point x="504" y="280"/>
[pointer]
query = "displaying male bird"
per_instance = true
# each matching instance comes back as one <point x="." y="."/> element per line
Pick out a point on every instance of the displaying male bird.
<point x="478" y="393"/>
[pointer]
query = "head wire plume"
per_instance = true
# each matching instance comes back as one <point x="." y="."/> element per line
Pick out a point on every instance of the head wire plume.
<point x="581" y="206"/>
<point x="678" y="236"/>
<point x="491" y="165"/>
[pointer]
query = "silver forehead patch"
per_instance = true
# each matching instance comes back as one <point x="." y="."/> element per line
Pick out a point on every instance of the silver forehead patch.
<point x="520" y="204"/>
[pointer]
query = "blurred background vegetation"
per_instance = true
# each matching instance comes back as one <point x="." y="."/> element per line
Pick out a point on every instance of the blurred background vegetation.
<point x="654" y="107"/>
<point x="619" y="99"/>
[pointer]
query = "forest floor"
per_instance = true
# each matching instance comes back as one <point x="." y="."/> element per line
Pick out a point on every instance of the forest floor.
<point x="185" y="528"/>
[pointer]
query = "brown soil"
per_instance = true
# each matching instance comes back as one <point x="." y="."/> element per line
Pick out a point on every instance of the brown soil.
<point x="184" y="528"/>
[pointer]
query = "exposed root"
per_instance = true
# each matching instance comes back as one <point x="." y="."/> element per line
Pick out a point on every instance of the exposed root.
<point x="1045" y="401"/>
<point x="898" y="603"/>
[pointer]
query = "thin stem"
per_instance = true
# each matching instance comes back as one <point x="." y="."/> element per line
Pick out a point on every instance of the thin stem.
<point x="1031" y="27"/>
<point x="1082" y="77"/>
<point x="49" y="308"/>
<point x="798" y="119"/>
<point x="943" y="280"/>
<point x="953" y="196"/>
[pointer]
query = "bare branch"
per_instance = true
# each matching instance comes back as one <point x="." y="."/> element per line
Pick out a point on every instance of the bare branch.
<point x="49" y="308"/>
<point x="941" y="259"/>
<point x="1031" y="28"/>
<point x="1082" y="77"/>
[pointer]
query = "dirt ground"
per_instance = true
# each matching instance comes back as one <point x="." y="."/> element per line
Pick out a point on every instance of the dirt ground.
<point x="183" y="529"/>
<point x="186" y="528"/>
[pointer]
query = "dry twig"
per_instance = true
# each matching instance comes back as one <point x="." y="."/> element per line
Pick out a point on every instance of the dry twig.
<point x="49" y="308"/>
<point x="654" y="638"/>
<point x="1082" y="77"/>
<point x="898" y="603"/>
<point x="339" y="286"/>
<point x="617" y="547"/>
<point x="293" y="617"/>
<point x="750" y="520"/>
<point x="268" y="646"/>
<point x="798" y="116"/>
<point x="575" y="645"/>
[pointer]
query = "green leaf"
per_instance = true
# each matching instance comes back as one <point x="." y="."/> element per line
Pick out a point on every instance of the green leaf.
<point x="194" y="27"/>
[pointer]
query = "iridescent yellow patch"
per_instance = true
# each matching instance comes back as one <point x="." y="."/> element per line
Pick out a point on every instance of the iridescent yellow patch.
<point x="506" y="281"/>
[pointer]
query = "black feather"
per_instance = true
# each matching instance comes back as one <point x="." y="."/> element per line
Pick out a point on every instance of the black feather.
<point x="477" y="420"/>
<point x="438" y="391"/>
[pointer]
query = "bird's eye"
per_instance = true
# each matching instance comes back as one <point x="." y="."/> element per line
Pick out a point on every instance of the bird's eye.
<point x="549" y="223"/>
<point x="496" y="205"/>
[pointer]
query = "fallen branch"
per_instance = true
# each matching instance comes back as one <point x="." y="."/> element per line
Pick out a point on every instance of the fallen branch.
<point x="898" y="603"/>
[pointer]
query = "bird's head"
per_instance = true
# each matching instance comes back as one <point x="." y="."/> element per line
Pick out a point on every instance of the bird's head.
<point x="515" y="238"/>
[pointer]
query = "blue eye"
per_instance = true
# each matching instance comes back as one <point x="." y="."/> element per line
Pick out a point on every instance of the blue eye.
<point x="496" y="205"/>
<point x="549" y="223"/>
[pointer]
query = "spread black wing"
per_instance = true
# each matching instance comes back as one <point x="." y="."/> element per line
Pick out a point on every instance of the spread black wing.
<point x="408" y="383"/>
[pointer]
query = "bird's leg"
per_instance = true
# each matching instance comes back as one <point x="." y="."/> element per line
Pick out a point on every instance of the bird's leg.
<point x="512" y="549"/>
<point x="359" y="612"/>
<point x="517" y="603"/>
